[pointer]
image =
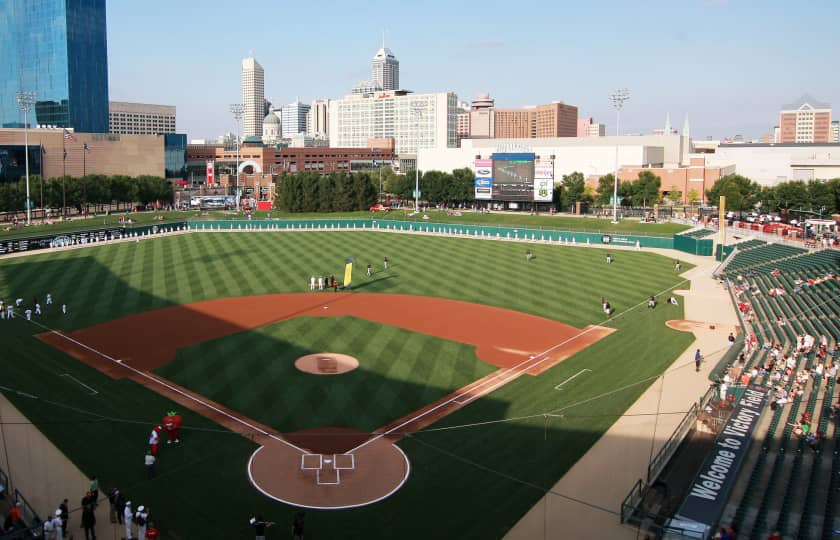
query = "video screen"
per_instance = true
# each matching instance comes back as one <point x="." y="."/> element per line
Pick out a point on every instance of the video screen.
<point x="513" y="180"/>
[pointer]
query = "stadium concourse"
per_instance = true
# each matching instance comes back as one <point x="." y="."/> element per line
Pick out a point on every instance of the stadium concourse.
<point x="585" y="502"/>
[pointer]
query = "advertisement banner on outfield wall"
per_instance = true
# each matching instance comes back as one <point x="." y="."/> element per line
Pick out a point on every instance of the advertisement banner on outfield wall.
<point x="484" y="179"/>
<point x="211" y="172"/>
<point x="544" y="181"/>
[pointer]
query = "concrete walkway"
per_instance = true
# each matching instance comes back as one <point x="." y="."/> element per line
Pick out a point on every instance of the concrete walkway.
<point x="601" y="479"/>
<point x="45" y="476"/>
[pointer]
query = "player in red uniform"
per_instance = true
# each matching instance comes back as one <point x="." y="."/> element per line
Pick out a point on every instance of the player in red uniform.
<point x="154" y="439"/>
<point x="172" y="424"/>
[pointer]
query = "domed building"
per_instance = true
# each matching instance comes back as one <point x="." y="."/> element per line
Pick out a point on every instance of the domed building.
<point x="271" y="129"/>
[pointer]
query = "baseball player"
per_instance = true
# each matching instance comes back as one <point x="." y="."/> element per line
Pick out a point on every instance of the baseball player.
<point x="172" y="423"/>
<point x="28" y="313"/>
<point x="154" y="440"/>
<point x="10" y="310"/>
<point x="320" y="283"/>
<point x="129" y="517"/>
<point x="141" y="517"/>
<point x="312" y="283"/>
<point x="385" y="262"/>
<point x="64" y="308"/>
<point x="37" y="309"/>
<point x="18" y="302"/>
<point x="49" y="299"/>
<point x="2" y="310"/>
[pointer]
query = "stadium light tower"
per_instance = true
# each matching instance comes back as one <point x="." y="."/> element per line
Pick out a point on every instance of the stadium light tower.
<point x="25" y="101"/>
<point x="617" y="97"/>
<point x="238" y="110"/>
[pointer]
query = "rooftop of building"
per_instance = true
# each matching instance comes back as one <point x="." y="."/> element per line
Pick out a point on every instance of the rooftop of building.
<point x="806" y="99"/>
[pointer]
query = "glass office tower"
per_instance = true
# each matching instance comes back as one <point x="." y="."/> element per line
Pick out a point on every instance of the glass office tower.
<point x="58" y="50"/>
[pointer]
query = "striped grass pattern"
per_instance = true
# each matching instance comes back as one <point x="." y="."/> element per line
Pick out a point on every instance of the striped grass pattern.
<point x="496" y="471"/>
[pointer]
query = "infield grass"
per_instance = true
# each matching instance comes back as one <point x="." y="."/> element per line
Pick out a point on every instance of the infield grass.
<point x="474" y="481"/>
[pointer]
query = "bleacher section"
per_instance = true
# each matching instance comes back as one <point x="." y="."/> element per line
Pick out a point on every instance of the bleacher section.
<point x="749" y="258"/>
<point x="699" y="233"/>
<point x="786" y="485"/>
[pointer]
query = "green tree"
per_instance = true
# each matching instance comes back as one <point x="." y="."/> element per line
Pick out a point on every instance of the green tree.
<point x="693" y="196"/>
<point x="574" y="187"/>
<point x="463" y="185"/>
<point x="741" y="193"/>
<point x="605" y="190"/>
<point x="646" y="189"/>
<point x="674" y="196"/>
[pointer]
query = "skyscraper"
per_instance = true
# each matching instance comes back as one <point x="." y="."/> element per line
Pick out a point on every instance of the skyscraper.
<point x="253" y="97"/>
<point x="385" y="69"/>
<point x="317" y="119"/>
<point x="58" y="50"/>
<point x="294" y="118"/>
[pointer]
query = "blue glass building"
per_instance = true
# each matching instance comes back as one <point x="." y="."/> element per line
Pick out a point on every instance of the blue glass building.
<point x="58" y="50"/>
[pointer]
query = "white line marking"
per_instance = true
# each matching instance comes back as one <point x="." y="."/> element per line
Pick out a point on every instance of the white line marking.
<point x="170" y="387"/>
<point x="570" y="378"/>
<point x="92" y="391"/>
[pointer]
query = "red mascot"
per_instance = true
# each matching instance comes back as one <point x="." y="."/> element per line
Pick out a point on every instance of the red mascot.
<point x="172" y="424"/>
<point x="154" y="439"/>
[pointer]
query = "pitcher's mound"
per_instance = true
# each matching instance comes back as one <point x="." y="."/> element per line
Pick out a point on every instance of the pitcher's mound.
<point x="326" y="363"/>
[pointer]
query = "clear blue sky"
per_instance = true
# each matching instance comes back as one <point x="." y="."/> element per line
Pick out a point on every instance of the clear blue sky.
<point x="728" y="64"/>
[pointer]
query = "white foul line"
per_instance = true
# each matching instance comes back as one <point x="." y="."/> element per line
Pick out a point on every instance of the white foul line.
<point x="572" y="377"/>
<point x="170" y="387"/>
<point x="92" y="391"/>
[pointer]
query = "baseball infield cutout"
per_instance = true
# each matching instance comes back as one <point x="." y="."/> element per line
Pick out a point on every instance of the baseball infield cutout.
<point x="518" y="343"/>
<point x="326" y="363"/>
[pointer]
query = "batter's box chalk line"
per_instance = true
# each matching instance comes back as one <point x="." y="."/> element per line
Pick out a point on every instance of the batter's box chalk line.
<point x="330" y="465"/>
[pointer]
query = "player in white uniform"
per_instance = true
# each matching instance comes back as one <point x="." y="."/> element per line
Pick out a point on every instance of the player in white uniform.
<point x="10" y="310"/>
<point x="28" y="313"/>
<point x="18" y="302"/>
<point x="64" y="308"/>
<point x="312" y="283"/>
<point x="320" y="283"/>
<point x="49" y="299"/>
<point x="37" y="309"/>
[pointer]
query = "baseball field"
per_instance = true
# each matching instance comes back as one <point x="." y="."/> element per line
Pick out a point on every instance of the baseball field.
<point x="481" y="377"/>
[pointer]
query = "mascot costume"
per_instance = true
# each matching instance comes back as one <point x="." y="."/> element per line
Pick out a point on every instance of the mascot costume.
<point x="172" y="424"/>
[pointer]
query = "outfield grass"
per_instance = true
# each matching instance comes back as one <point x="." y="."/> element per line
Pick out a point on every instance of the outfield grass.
<point x="559" y="221"/>
<point x="477" y="481"/>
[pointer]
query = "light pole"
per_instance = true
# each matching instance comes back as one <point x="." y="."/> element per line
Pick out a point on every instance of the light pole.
<point x="416" y="112"/>
<point x="237" y="109"/>
<point x="617" y="97"/>
<point x="25" y="100"/>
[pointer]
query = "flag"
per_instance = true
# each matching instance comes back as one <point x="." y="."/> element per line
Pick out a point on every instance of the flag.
<point x="68" y="136"/>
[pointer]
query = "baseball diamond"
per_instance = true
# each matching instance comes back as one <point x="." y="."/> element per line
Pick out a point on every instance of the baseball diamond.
<point x="459" y="343"/>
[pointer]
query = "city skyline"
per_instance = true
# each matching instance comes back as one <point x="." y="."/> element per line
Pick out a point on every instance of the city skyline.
<point x="711" y="60"/>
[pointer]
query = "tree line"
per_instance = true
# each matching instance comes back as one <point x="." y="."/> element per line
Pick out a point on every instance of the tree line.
<point x="79" y="192"/>
<point x="334" y="192"/>
<point x="742" y="194"/>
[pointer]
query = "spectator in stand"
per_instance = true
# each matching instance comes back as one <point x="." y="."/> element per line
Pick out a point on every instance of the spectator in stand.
<point x="14" y="520"/>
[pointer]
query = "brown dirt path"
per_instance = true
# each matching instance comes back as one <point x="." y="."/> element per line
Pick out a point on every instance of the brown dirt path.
<point x="151" y="339"/>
